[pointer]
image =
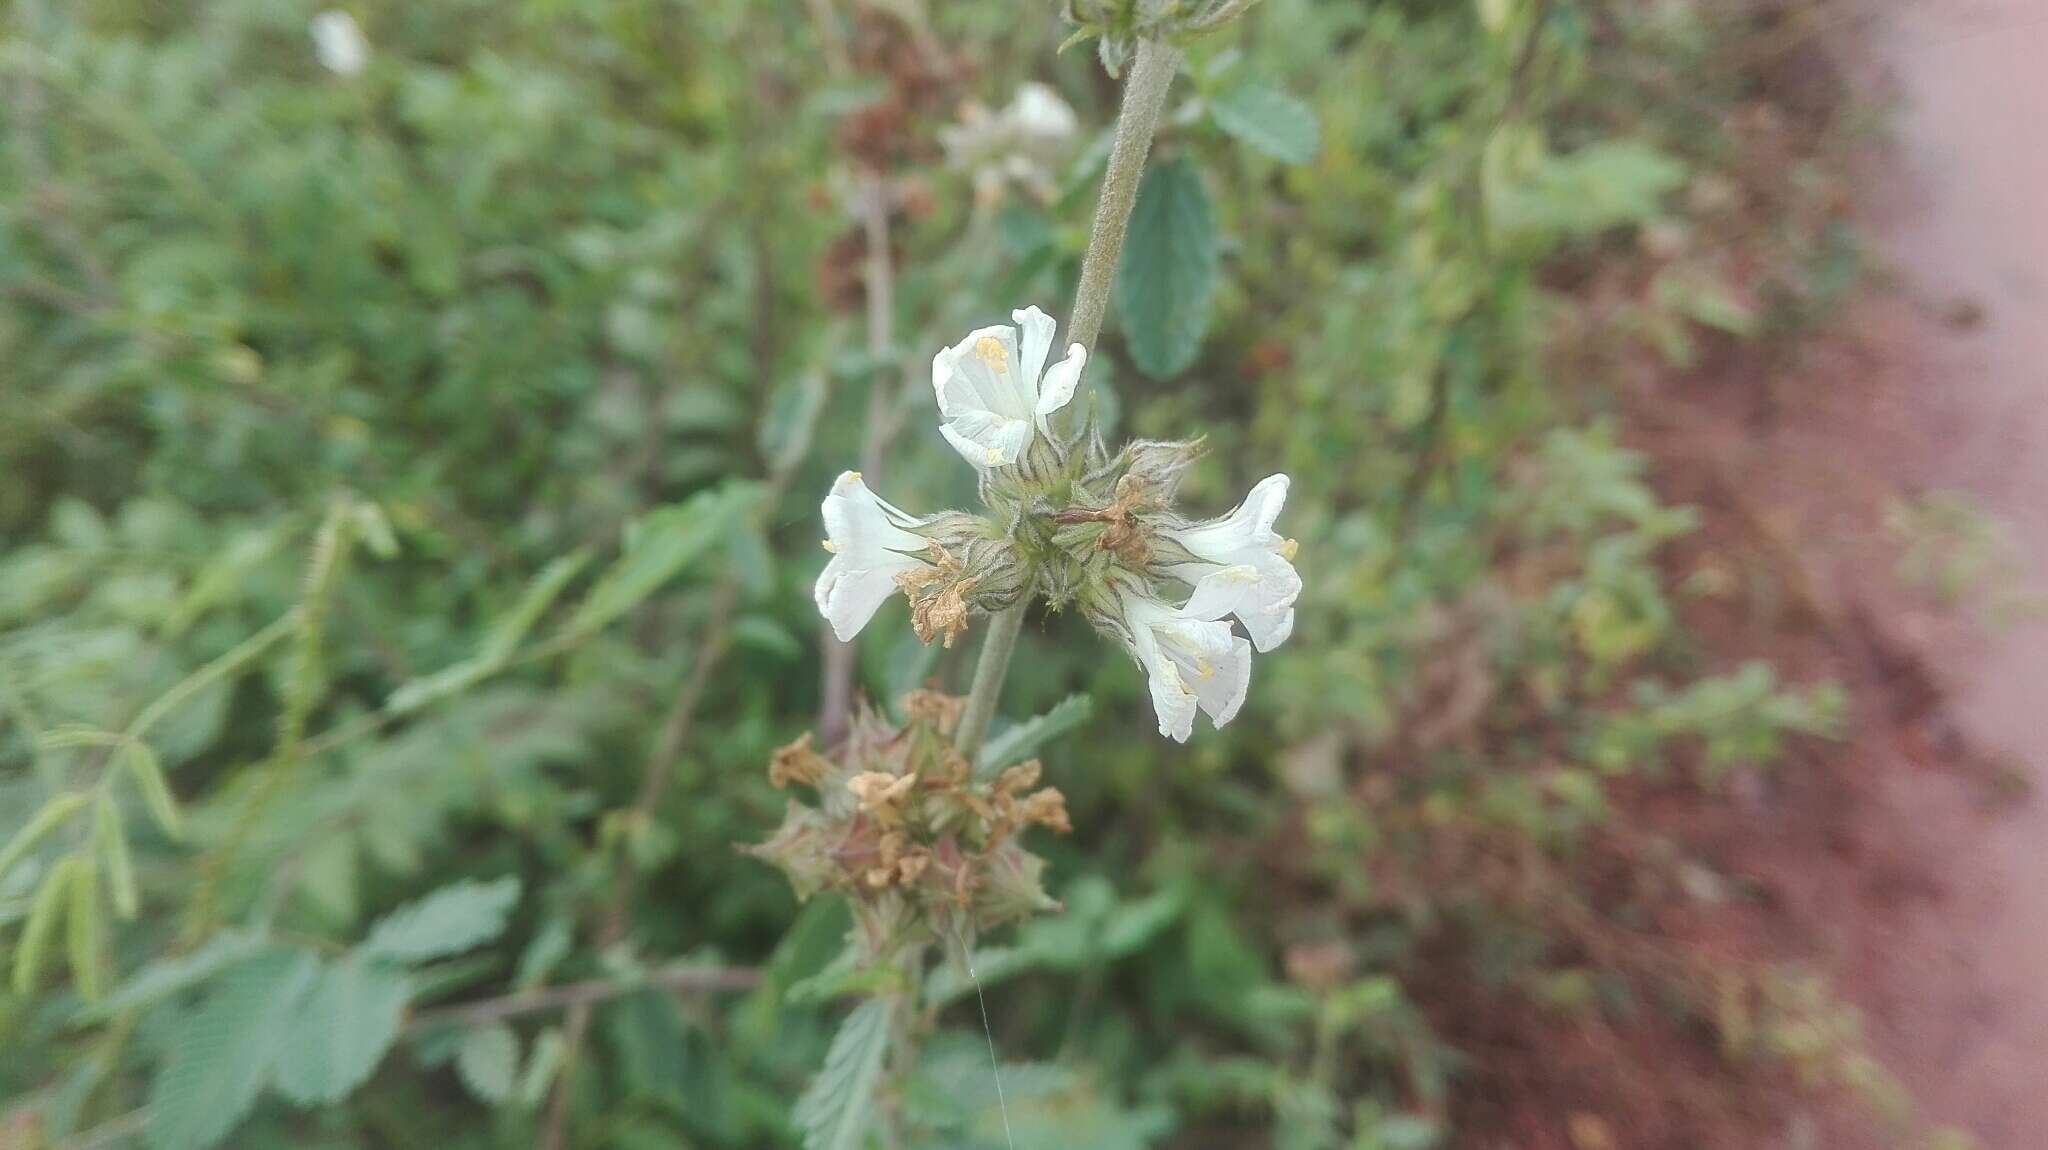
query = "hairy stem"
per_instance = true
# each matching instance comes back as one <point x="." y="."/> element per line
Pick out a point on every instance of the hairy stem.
<point x="1144" y="98"/>
<point x="989" y="670"/>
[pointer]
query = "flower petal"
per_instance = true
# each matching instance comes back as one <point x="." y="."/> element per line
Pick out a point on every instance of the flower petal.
<point x="1220" y="592"/>
<point x="848" y="598"/>
<point x="1037" y="328"/>
<point x="1222" y="691"/>
<point x="1056" y="390"/>
<point x="1173" y="704"/>
<point x="987" y="440"/>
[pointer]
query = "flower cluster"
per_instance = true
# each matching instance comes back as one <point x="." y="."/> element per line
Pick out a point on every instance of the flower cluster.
<point x="922" y="845"/>
<point x="1068" y="521"/>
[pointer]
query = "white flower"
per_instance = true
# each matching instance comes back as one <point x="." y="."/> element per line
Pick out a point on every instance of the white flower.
<point x="871" y="544"/>
<point x="338" y="43"/>
<point x="992" y="396"/>
<point x="1021" y="144"/>
<point x="1041" y="118"/>
<point x="1192" y="659"/>
<point x="1245" y="538"/>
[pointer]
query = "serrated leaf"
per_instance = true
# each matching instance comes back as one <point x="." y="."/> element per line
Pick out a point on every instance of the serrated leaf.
<point x="112" y="844"/>
<point x="167" y="976"/>
<point x="1270" y="121"/>
<point x="148" y="773"/>
<point x="1020" y="741"/>
<point x="221" y="1053"/>
<point x="661" y="545"/>
<point x="1167" y="272"/>
<point x="838" y="1106"/>
<point x="488" y="1060"/>
<point x="51" y="816"/>
<point x="348" y="1020"/>
<point x="448" y="921"/>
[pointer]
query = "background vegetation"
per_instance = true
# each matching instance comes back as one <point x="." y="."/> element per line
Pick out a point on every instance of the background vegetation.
<point x="408" y="527"/>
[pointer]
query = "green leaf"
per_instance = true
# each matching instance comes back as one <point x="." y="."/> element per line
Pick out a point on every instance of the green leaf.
<point x="1168" y="269"/>
<point x="488" y="1060"/>
<point x="43" y="916"/>
<point x="543" y="1062"/>
<point x="52" y="815"/>
<point x="1270" y="121"/>
<point x="221" y="1053"/>
<point x="82" y="939"/>
<point x="112" y="844"/>
<point x="337" y="1037"/>
<point x="1019" y="742"/>
<point x="148" y="772"/>
<point x="498" y="647"/>
<point x="1533" y="198"/>
<point x="71" y="735"/>
<point x="167" y="976"/>
<point x="448" y="921"/>
<point x="838" y="1107"/>
<point x="659" y="547"/>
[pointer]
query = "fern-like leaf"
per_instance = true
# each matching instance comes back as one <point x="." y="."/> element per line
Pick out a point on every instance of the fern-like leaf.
<point x="837" y="1109"/>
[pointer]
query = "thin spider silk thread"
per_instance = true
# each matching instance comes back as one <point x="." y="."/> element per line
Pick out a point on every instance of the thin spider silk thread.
<point x="994" y="1068"/>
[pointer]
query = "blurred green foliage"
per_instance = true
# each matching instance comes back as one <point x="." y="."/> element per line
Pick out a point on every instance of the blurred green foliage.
<point x="382" y="451"/>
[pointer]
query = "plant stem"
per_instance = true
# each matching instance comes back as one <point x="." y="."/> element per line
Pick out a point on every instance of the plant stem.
<point x="994" y="663"/>
<point x="1144" y="97"/>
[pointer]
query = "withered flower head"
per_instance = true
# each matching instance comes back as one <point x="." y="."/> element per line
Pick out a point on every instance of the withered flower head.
<point x="918" y="844"/>
<point x="798" y="763"/>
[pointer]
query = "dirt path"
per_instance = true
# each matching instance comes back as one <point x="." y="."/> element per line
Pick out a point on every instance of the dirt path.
<point x="1968" y="225"/>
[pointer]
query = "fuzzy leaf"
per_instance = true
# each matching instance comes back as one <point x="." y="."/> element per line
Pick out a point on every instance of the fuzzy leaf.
<point x="448" y="921"/>
<point x="82" y="936"/>
<point x="148" y="772"/>
<point x="111" y="841"/>
<point x="221" y="1052"/>
<point x="1270" y="121"/>
<point x="488" y="1060"/>
<point x="1168" y="269"/>
<point x="838" y="1107"/>
<point x="1022" y="740"/>
<point x="45" y="912"/>
<point x="349" y="1019"/>
<point x="48" y="818"/>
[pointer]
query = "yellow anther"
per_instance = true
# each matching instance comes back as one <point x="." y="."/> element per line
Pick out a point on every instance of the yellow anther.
<point x="1287" y="549"/>
<point x="830" y="547"/>
<point x="1204" y="670"/>
<point x="990" y="351"/>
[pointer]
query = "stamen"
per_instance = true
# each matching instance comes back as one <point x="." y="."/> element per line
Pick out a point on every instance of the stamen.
<point x="990" y="351"/>
<point x="829" y="546"/>
<point x="1287" y="549"/>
